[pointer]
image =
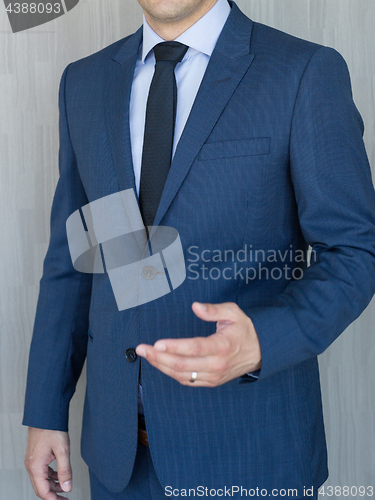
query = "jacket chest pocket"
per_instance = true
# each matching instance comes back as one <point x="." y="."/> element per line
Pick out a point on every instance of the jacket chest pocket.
<point x="235" y="149"/>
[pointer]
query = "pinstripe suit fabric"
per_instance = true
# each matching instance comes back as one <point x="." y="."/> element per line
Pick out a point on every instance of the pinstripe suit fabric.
<point x="271" y="157"/>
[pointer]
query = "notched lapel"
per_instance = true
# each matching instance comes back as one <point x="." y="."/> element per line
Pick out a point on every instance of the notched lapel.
<point x="117" y="103"/>
<point x="120" y="71"/>
<point x="228" y="64"/>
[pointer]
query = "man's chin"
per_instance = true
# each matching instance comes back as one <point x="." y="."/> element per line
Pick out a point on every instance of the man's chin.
<point x="171" y="11"/>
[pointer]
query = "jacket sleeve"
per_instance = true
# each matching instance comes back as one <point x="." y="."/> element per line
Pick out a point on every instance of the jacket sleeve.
<point x="59" y="341"/>
<point x="336" y="209"/>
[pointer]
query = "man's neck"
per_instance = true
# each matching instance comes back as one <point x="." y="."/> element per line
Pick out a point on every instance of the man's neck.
<point x="170" y="30"/>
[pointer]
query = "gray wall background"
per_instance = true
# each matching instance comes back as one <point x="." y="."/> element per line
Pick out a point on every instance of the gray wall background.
<point x="31" y="64"/>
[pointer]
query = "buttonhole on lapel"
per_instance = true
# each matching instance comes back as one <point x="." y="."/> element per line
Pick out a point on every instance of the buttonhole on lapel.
<point x="224" y="79"/>
<point x="90" y="336"/>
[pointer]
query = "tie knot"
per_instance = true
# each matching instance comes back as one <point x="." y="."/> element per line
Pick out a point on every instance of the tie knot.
<point x="170" y="51"/>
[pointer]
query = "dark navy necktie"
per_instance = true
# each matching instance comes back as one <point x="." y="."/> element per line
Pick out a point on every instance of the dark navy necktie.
<point x="159" y="128"/>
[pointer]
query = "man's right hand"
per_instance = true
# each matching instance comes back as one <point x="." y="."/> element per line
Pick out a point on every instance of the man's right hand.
<point x="44" y="446"/>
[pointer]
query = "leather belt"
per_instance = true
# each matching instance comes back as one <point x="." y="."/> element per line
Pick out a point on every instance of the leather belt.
<point x="142" y="433"/>
<point x="142" y="437"/>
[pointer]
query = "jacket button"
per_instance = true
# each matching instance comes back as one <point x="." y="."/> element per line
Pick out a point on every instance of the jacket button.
<point x="149" y="272"/>
<point x="130" y="355"/>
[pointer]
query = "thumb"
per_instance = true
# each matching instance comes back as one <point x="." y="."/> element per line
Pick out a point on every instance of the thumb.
<point x="215" y="312"/>
<point x="64" y="470"/>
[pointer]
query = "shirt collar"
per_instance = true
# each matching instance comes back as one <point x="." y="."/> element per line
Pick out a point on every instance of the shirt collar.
<point x="202" y="36"/>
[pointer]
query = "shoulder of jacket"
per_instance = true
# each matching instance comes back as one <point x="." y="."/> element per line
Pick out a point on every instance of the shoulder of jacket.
<point x="98" y="57"/>
<point x="280" y="45"/>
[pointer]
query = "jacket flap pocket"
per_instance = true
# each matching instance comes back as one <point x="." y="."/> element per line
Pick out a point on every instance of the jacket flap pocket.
<point x="232" y="149"/>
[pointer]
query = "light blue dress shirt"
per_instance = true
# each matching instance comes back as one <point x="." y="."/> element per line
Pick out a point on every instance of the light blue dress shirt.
<point x="201" y="39"/>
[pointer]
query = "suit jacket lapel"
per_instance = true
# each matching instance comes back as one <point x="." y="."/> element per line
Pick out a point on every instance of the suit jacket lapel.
<point x="117" y="99"/>
<point x="228" y="64"/>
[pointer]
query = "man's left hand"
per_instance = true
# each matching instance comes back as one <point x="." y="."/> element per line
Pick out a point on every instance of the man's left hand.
<point x="230" y="352"/>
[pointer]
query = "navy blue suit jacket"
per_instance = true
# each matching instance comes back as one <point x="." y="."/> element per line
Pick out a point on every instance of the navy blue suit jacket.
<point x="271" y="157"/>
